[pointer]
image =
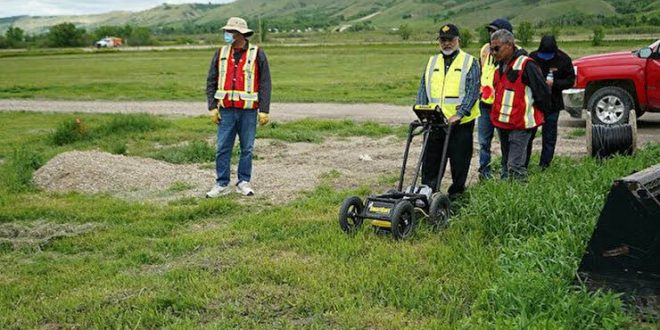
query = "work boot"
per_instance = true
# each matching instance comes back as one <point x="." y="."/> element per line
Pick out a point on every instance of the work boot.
<point x="244" y="188"/>
<point x="218" y="191"/>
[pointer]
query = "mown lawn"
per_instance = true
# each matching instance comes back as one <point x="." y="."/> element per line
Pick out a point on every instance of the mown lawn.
<point x="340" y="73"/>
<point x="197" y="263"/>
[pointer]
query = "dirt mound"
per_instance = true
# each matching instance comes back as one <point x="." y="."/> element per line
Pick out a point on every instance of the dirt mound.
<point x="280" y="171"/>
<point x="131" y="177"/>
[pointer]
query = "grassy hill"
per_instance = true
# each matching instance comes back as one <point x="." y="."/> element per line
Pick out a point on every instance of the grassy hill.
<point x="286" y="15"/>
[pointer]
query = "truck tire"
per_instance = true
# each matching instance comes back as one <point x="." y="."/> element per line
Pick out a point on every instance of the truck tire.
<point x="610" y="106"/>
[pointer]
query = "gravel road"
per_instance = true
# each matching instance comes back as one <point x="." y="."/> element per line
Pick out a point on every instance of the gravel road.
<point x="648" y="125"/>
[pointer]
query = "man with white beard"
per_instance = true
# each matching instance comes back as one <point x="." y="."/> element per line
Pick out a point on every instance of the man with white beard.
<point x="450" y="80"/>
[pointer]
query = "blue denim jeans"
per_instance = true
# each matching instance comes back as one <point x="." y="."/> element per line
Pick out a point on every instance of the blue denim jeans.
<point x="235" y="122"/>
<point x="485" y="130"/>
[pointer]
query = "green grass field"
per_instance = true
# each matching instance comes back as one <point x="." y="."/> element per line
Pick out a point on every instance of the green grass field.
<point x="94" y="261"/>
<point x="342" y="73"/>
<point x="70" y="260"/>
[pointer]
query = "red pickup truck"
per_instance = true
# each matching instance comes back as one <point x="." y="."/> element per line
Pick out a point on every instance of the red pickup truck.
<point x="610" y="85"/>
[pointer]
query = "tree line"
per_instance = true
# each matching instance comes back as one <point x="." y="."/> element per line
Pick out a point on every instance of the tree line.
<point x="68" y="35"/>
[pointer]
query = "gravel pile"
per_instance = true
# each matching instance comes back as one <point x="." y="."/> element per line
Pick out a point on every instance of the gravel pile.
<point x="280" y="172"/>
<point x="102" y="172"/>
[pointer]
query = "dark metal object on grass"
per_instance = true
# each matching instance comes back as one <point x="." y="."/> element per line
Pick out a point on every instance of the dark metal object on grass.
<point x="623" y="254"/>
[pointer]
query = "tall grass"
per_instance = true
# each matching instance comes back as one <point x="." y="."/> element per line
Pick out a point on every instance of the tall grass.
<point x="223" y="264"/>
<point x="542" y="229"/>
<point x="507" y="260"/>
<point x="17" y="172"/>
<point x="74" y="130"/>
<point x="197" y="151"/>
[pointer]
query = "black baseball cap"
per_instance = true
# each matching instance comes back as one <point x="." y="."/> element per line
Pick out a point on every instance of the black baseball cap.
<point x="500" y="23"/>
<point x="448" y="31"/>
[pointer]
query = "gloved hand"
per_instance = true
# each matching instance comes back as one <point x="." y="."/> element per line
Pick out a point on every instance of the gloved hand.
<point x="215" y="116"/>
<point x="263" y="118"/>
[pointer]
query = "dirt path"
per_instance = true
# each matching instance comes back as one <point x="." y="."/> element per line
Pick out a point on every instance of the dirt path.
<point x="383" y="113"/>
<point x="281" y="171"/>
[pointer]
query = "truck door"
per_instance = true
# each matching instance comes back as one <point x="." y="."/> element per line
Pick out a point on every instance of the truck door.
<point x="653" y="78"/>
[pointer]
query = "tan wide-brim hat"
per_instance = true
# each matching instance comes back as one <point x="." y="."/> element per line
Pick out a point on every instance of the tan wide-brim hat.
<point x="238" y="24"/>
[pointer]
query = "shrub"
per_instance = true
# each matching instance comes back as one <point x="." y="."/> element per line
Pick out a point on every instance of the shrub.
<point x="405" y="31"/>
<point x="466" y="38"/>
<point x="118" y="148"/>
<point x="556" y="31"/>
<point x="17" y="171"/>
<point x="65" y="35"/>
<point x="140" y="36"/>
<point x="139" y="123"/>
<point x="525" y="33"/>
<point x="70" y="131"/>
<point x="484" y="36"/>
<point x="599" y="35"/>
<point x="194" y="152"/>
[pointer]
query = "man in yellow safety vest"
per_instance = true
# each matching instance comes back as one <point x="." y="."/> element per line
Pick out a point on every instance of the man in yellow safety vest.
<point x="450" y="80"/>
<point x="484" y="125"/>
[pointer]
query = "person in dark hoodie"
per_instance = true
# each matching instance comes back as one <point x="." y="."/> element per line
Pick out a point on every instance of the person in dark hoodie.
<point x="557" y="67"/>
<point x="521" y="98"/>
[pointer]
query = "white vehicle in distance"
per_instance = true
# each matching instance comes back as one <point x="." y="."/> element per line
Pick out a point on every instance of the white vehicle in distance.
<point x="109" y="42"/>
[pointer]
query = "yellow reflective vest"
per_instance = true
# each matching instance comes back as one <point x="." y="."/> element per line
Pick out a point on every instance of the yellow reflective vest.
<point x="238" y="81"/>
<point x="448" y="91"/>
<point x="487" y="73"/>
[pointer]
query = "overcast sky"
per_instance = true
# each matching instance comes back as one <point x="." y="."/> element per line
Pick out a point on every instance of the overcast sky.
<point x="81" y="7"/>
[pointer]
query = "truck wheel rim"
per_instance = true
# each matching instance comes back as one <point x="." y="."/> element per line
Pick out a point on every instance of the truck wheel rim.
<point x="610" y="109"/>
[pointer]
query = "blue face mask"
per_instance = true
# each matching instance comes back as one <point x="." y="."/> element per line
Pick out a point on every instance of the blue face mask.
<point x="229" y="38"/>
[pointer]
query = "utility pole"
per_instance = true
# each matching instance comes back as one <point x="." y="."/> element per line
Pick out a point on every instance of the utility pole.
<point x="260" y="28"/>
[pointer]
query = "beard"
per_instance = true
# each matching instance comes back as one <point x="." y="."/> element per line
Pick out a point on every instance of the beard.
<point x="449" y="51"/>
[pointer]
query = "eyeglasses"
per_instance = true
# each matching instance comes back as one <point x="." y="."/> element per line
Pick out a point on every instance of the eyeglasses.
<point x="495" y="49"/>
<point x="446" y="39"/>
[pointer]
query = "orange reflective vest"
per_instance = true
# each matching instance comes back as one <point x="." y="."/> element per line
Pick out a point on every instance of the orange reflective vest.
<point x="238" y="82"/>
<point x="514" y="104"/>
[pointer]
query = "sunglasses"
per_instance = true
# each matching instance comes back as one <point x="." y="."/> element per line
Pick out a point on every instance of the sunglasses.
<point x="446" y="39"/>
<point x="495" y="49"/>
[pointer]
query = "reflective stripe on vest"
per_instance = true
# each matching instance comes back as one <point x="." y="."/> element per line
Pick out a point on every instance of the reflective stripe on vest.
<point x="449" y="91"/>
<point x="512" y="110"/>
<point x="244" y="95"/>
<point x="487" y="73"/>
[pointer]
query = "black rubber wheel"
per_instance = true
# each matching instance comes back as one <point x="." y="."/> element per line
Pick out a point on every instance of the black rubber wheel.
<point x="403" y="220"/>
<point x="349" y="214"/>
<point x="610" y="106"/>
<point x="439" y="211"/>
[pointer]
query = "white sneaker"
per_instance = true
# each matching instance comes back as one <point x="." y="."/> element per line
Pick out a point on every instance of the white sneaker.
<point x="244" y="188"/>
<point x="218" y="191"/>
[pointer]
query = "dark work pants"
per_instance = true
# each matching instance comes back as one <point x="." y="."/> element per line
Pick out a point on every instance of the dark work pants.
<point x="514" y="152"/>
<point x="548" y="139"/>
<point x="459" y="153"/>
<point x="485" y="129"/>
